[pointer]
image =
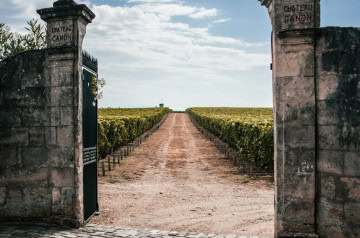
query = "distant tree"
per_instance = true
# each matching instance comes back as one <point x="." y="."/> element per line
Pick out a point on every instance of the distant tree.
<point x="12" y="43"/>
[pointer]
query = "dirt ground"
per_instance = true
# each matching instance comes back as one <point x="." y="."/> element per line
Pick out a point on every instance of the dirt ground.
<point x="178" y="181"/>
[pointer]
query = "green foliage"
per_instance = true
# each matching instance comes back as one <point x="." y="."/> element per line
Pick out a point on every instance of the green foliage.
<point x="13" y="43"/>
<point x="120" y="126"/>
<point x="249" y="130"/>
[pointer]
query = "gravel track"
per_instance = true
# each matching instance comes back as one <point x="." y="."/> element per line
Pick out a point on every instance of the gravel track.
<point x="178" y="181"/>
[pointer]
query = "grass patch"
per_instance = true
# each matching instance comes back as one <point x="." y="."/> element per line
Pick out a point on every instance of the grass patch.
<point x="111" y="180"/>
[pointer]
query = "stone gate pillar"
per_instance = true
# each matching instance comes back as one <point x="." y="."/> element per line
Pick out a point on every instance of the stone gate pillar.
<point x="66" y="28"/>
<point x="294" y="97"/>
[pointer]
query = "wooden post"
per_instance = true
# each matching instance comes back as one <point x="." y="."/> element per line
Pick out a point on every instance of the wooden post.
<point x="121" y="153"/>
<point x="103" y="167"/>
<point x="109" y="163"/>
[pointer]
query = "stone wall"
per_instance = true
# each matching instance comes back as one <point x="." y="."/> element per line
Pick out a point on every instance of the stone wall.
<point x="41" y="169"/>
<point x="24" y="119"/>
<point x="338" y="130"/>
<point x="37" y="137"/>
<point x="316" y="83"/>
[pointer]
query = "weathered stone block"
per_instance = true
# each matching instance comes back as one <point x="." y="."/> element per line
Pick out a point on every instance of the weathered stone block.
<point x="330" y="61"/>
<point x="342" y="56"/>
<point x="67" y="196"/>
<point x="330" y="215"/>
<point x="2" y="195"/>
<point x="279" y="135"/>
<point x="34" y="156"/>
<point x="352" y="163"/>
<point x="295" y="91"/>
<point x="289" y="65"/>
<point x="33" y="116"/>
<point x="297" y="210"/>
<point x="327" y="84"/>
<point x="353" y="187"/>
<point x="62" y="75"/>
<point x="67" y="96"/>
<point x="60" y="58"/>
<point x="25" y="97"/>
<point x="300" y="186"/>
<point x="299" y="162"/>
<point x="14" y="136"/>
<point x="62" y="96"/>
<point x="9" y="117"/>
<point x="339" y="112"/>
<point x="66" y="205"/>
<point x="15" y="195"/>
<point x="8" y="156"/>
<point x="55" y="116"/>
<point x="37" y="136"/>
<point x="327" y="186"/>
<point x="29" y="176"/>
<point x="349" y="61"/>
<point x="300" y="136"/>
<point x="34" y="76"/>
<point x="65" y="136"/>
<point x="11" y="72"/>
<point x="56" y="196"/>
<point x="351" y="231"/>
<point x="340" y="137"/>
<point x="330" y="161"/>
<point x="67" y="116"/>
<point x="331" y="231"/>
<point x="50" y="136"/>
<point x="62" y="157"/>
<point x="303" y="114"/>
<point x="352" y="214"/>
<point x="55" y="96"/>
<point x="338" y="87"/>
<point x="62" y="177"/>
<point x="38" y="201"/>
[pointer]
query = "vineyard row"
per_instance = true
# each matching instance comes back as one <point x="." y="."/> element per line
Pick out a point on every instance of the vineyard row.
<point x="247" y="130"/>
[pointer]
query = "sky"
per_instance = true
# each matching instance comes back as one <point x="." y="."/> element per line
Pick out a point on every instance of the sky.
<point x="183" y="53"/>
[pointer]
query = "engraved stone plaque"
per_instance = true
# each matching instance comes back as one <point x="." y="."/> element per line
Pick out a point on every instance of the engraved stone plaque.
<point x="60" y="33"/>
<point x="296" y="14"/>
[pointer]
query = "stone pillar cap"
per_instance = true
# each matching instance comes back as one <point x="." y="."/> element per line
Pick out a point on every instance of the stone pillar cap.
<point x="65" y="8"/>
<point x="60" y="3"/>
<point x="265" y="3"/>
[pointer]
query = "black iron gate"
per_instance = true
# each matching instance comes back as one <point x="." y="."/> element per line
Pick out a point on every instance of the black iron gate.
<point x="89" y="118"/>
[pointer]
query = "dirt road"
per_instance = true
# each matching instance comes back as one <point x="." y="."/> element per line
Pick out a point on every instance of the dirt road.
<point x="178" y="181"/>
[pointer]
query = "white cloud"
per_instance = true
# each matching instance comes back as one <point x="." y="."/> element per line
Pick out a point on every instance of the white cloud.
<point x="222" y="20"/>
<point x="142" y="46"/>
<point x="17" y="12"/>
<point x="143" y="38"/>
<point x="153" y="1"/>
<point x="202" y="13"/>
